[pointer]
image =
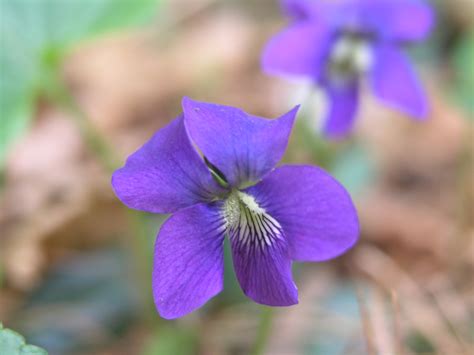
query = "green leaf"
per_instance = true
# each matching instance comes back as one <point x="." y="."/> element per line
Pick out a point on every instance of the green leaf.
<point x="12" y="343"/>
<point x="419" y="344"/>
<point x="32" y="350"/>
<point x="35" y="35"/>
<point x="58" y="21"/>
<point x="90" y="286"/>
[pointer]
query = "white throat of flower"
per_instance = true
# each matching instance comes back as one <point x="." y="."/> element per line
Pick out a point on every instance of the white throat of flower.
<point x="248" y="223"/>
<point x="350" y="57"/>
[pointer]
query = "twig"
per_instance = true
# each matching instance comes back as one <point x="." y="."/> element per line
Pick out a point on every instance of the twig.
<point x="418" y="306"/>
<point x="397" y="329"/>
<point x="366" y="326"/>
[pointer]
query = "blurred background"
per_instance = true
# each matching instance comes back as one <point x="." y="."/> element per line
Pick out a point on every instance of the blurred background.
<point x="85" y="83"/>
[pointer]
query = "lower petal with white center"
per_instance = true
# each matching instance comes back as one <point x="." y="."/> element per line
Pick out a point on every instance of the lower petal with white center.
<point x="260" y="252"/>
<point x="343" y="101"/>
<point x="188" y="262"/>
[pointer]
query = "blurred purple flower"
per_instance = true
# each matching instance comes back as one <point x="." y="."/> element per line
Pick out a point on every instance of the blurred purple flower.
<point x="338" y="42"/>
<point x="272" y="216"/>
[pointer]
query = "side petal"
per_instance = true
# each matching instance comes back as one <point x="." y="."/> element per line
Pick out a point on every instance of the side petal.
<point x="188" y="264"/>
<point x="263" y="270"/>
<point x="342" y="108"/>
<point x="315" y="211"/>
<point x="400" y="20"/>
<point x="299" y="50"/>
<point x="242" y="146"/>
<point x="164" y="175"/>
<point x="395" y="83"/>
<point x="299" y="9"/>
<point x="329" y="11"/>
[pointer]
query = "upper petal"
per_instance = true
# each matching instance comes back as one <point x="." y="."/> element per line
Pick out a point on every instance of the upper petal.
<point x="403" y="20"/>
<point x="299" y="50"/>
<point x="322" y="10"/>
<point x="395" y="83"/>
<point x="242" y="146"/>
<point x="165" y="174"/>
<point x="343" y="102"/>
<point x="315" y="211"/>
<point x="188" y="264"/>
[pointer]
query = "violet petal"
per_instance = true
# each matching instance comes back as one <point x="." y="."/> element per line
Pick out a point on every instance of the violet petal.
<point x="243" y="147"/>
<point x="342" y="107"/>
<point x="188" y="263"/>
<point x="299" y="50"/>
<point x="395" y="83"/>
<point x="165" y="174"/>
<point x="264" y="271"/>
<point x="400" y="20"/>
<point x="315" y="211"/>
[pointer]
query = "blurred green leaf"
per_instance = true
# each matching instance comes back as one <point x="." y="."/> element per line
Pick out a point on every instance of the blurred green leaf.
<point x="35" y="35"/>
<point x="84" y="302"/>
<point x="32" y="350"/>
<point x="329" y="345"/>
<point x="12" y="343"/>
<point x="339" y="302"/>
<point x="419" y="344"/>
<point x="464" y="71"/>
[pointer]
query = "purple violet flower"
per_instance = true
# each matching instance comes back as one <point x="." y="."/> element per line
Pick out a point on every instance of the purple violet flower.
<point x="338" y="43"/>
<point x="272" y="216"/>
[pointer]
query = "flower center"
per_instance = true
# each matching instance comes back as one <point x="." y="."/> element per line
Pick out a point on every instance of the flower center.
<point x="350" y="57"/>
<point x="249" y="224"/>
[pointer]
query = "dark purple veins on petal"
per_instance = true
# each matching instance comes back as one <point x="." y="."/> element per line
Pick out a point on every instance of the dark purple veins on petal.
<point x="260" y="252"/>
<point x="315" y="212"/>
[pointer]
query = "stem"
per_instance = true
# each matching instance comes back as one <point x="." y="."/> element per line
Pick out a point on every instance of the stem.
<point x="58" y="92"/>
<point x="263" y="332"/>
<point x="61" y="95"/>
